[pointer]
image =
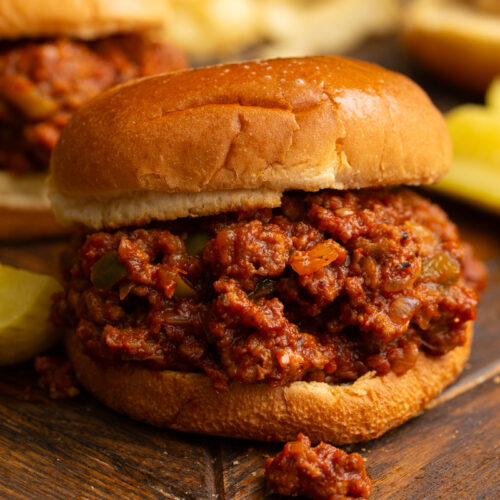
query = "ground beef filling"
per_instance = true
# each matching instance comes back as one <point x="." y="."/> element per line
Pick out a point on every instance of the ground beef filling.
<point x="327" y="287"/>
<point x="321" y="473"/>
<point x="42" y="83"/>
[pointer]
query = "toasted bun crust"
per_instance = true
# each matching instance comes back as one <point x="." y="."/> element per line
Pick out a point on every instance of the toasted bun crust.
<point x="25" y="209"/>
<point x="84" y="19"/>
<point x="209" y="140"/>
<point x="457" y="42"/>
<point x="339" y="414"/>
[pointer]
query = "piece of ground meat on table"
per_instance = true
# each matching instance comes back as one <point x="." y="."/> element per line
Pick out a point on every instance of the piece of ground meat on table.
<point x="322" y="472"/>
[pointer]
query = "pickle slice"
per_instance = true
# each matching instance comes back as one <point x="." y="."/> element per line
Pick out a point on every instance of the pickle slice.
<point x="25" y="300"/>
<point x="493" y="95"/>
<point x="474" y="181"/>
<point x="475" y="173"/>
<point x="475" y="129"/>
<point x="476" y="133"/>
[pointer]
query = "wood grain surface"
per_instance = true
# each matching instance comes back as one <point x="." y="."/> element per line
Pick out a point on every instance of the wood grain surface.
<point x="80" y="449"/>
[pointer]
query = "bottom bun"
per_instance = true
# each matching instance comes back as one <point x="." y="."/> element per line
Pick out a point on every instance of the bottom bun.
<point x="339" y="414"/>
<point x="25" y="209"/>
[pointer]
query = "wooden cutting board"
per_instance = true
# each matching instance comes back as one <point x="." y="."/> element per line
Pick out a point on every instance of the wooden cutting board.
<point x="80" y="449"/>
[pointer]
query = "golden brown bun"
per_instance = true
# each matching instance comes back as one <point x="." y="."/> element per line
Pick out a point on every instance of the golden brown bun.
<point x="457" y="42"/>
<point x="25" y="209"/>
<point x="339" y="414"/>
<point x="195" y="142"/>
<point x="85" y="19"/>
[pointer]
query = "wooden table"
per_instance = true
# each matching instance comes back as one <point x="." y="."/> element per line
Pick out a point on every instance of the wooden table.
<point x="80" y="449"/>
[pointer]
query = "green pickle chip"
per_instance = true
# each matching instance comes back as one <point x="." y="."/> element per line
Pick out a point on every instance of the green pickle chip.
<point x="195" y="243"/>
<point x="25" y="301"/>
<point x="107" y="271"/>
<point x="182" y="289"/>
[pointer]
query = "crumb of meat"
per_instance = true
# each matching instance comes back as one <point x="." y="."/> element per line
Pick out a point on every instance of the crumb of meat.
<point x="322" y="472"/>
<point x="56" y="376"/>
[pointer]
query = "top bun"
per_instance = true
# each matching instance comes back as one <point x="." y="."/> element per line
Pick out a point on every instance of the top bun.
<point x="236" y="136"/>
<point x="85" y="19"/>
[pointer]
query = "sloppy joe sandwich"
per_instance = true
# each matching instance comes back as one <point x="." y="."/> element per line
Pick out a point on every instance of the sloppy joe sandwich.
<point x="54" y="56"/>
<point x="250" y="267"/>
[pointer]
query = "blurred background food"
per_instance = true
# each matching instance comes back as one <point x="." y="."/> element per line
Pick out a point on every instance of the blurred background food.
<point x="54" y="56"/>
<point x="215" y="30"/>
<point x="475" y="131"/>
<point x="456" y="40"/>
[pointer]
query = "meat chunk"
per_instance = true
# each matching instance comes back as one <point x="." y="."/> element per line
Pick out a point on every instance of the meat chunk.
<point x="257" y="343"/>
<point x="56" y="376"/>
<point x="320" y="473"/>
<point x="246" y="251"/>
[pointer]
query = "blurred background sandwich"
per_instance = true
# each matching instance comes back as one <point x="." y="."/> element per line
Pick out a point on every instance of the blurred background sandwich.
<point x="54" y="56"/>
<point x="456" y="40"/>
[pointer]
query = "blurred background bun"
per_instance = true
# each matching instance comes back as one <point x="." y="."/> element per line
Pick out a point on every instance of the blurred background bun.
<point x="86" y="19"/>
<point x="212" y="30"/>
<point x="456" y="40"/>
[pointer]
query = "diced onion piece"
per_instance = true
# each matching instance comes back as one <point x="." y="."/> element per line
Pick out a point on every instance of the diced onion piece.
<point x="22" y="94"/>
<point x="402" y="309"/>
<point x="441" y="268"/>
<point x="402" y="364"/>
<point x="310" y="261"/>
<point x="36" y="106"/>
<point x="344" y="211"/>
